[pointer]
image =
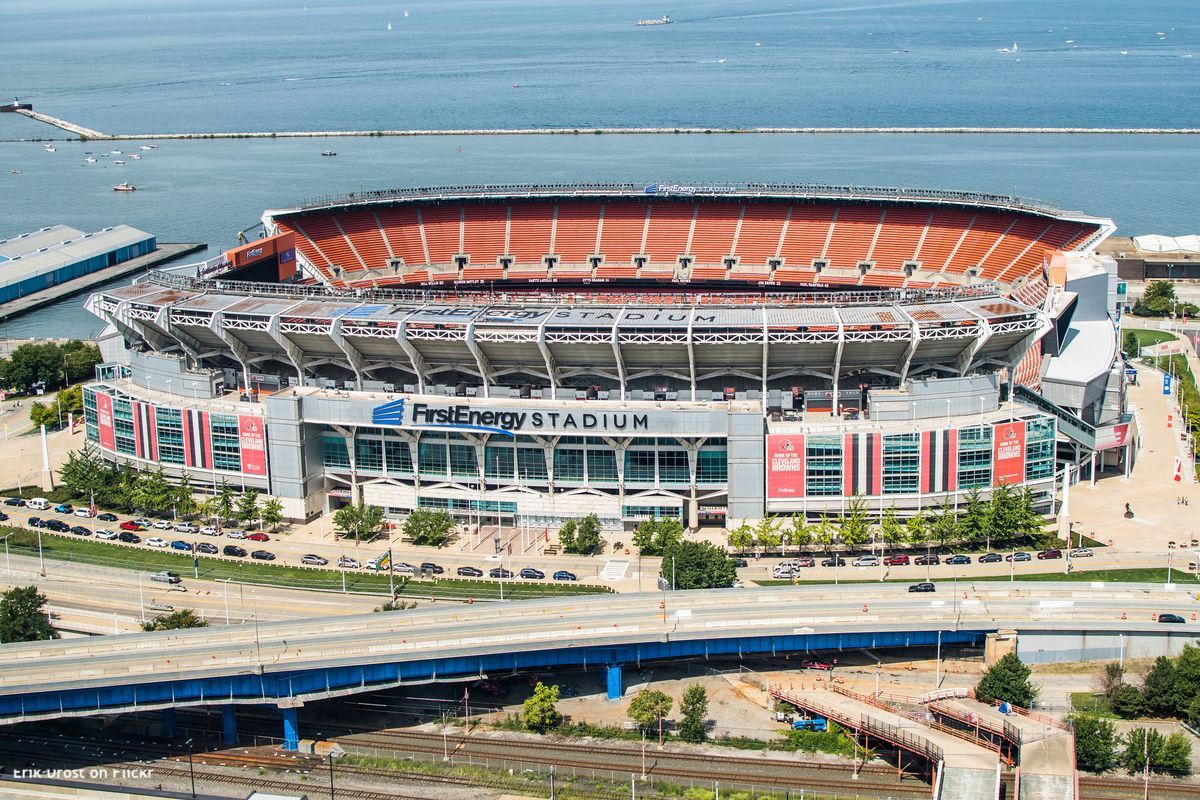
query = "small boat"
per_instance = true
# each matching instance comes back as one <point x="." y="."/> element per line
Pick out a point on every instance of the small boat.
<point x="114" y="152"/>
<point x="124" y="187"/>
<point x="15" y="171"/>
<point x="89" y="160"/>
<point x="49" y="148"/>
<point x="145" y="147"/>
<point x="135" y="157"/>
<point x="329" y="153"/>
<point x="1013" y="49"/>
<point x="152" y="146"/>
<point x="122" y="163"/>
<point x="406" y="12"/>
<point x="663" y="20"/>
<point x="1123" y="52"/>
<point x="389" y="27"/>
<point x="516" y="86"/>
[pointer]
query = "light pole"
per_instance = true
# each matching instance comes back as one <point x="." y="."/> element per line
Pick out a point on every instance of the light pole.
<point x="191" y="767"/>
<point x="7" y="561"/>
<point x="226" y="582"/>
<point x="41" y="561"/>
<point x="141" y="601"/>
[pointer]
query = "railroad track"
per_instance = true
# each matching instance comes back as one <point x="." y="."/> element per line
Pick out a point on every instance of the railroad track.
<point x="1100" y="788"/>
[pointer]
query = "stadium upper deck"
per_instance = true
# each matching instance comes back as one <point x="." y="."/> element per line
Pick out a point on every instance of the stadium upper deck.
<point x="718" y="238"/>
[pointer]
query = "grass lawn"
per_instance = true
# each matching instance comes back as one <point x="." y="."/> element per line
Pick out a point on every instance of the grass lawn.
<point x="1147" y="337"/>
<point x="1090" y="703"/>
<point x="110" y="554"/>
<point x="1145" y="575"/>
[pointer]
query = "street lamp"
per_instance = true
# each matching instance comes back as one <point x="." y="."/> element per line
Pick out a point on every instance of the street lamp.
<point x="7" y="561"/>
<point x="191" y="766"/>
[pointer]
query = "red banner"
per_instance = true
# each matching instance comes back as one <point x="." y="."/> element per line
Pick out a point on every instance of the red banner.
<point x="785" y="466"/>
<point x="253" y="442"/>
<point x="1008" y="453"/>
<point x="1113" y="436"/>
<point x="104" y="421"/>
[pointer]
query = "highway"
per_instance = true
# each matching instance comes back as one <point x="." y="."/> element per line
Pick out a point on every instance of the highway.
<point x="610" y="620"/>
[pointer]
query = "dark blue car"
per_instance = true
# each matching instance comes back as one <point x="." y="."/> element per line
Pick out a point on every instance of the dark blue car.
<point x="563" y="575"/>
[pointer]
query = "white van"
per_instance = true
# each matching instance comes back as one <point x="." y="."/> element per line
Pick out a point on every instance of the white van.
<point x="38" y="504"/>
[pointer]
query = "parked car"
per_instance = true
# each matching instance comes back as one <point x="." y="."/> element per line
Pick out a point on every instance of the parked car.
<point x="180" y="544"/>
<point x="923" y="586"/>
<point x="781" y="571"/>
<point x="429" y="566"/>
<point x="532" y="574"/>
<point x="486" y="687"/>
<point x="156" y="541"/>
<point x="106" y="516"/>
<point x="803" y="561"/>
<point x="817" y="724"/>
<point x="166" y="577"/>
<point x="106" y="534"/>
<point x="131" y="525"/>
<point x="865" y="561"/>
<point x="64" y="508"/>
<point x="161" y="524"/>
<point x="563" y="575"/>
<point x="925" y="561"/>
<point x="814" y="663"/>
<point x="209" y="530"/>
<point x="499" y="572"/>
<point x="959" y="560"/>
<point x="235" y="534"/>
<point x="263" y="555"/>
<point x="79" y="530"/>
<point x="234" y="550"/>
<point x="39" y="504"/>
<point x="129" y="538"/>
<point x="207" y="547"/>
<point x="740" y="562"/>
<point x="1053" y="552"/>
<point x="404" y="568"/>
<point x="258" y="537"/>
<point x="3" y="517"/>
<point x="835" y="561"/>
<point x="1082" y="552"/>
<point x="14" y="501"/>
<point x="56" y="525"/>
<point x="1173" y="619"/>
<point x="470" y="572"/>
<point x="145" y="523"/>
<point x="1018" y="556"/>
<point x="313" y="560"/>
<point x="34" y="522"/>
<point x="898" y="560"/>
<point x="83" y="512"/>
<point x="186" y="527"/>
<point x="990" y="558"/>
<point x="345" y="562"/>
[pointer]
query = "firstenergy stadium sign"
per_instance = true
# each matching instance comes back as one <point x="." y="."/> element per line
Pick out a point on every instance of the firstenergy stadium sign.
<point x="507" y="421"/>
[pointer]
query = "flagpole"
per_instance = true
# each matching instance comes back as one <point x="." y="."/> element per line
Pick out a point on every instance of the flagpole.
<point x="391" y="575"/>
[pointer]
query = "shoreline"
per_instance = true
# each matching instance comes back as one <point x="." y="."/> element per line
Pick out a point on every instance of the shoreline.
<point x="89" y="134"/>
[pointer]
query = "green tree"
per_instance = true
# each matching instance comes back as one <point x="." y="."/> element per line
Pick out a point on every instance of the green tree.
<point x="698" y="565"/>
<point x="974" y="521"/>
<point x="1187" y="677"/>
<point x="1110" y="678"/>
<point x="1176" y="755"/>
<point x="1159" y="697"/>
<point x="1007" y="680"/>
<point x="541" y="713"/>
<point x="800" y="533"/>
<point x="567" y="533"/>
<point x="53" y="363"/>
<point x="1095" y="742"/>
<point x="741" y="538"/>
<point x="183" y="501"/>
<point x="693" y="711"/>
<point x="891" y="529"/>
<point x="1165" y="754"/>
<point x="1126" y="702"/>
<point x="153" y="493"/>
<point x="183" y="618"/>
<point x="586" y="541"/>
<point x="854" y="527"/>
<point x="43" y="414"/>
<point x="825" y="532"/>
<point x="272" y="512"/>
<point x="85" y="473"/>
<point x="1129" y="344"/>
<point x="225" y="501"/>
<point x="247" y="506"/>
<point x="649" y="708"/>
<point x="655" y="537"/>
<point x="23" y="616"/>
<point x="943" y="526"/>
<point x="428" y="527"/>
<point x="359" y="521"/>
<point x="767" y="534"/>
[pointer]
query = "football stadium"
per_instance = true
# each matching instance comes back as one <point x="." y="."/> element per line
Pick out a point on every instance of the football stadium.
<point x="717" y="353"/>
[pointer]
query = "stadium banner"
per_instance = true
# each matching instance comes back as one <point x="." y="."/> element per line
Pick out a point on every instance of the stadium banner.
<point x="104" y="421"/>
<point x="1008" y="453"/>
<point x="253" y="444"/>
<point x="785" y="466"/>
<point x="282" y="244"/>
<point x="1113" y="436"/>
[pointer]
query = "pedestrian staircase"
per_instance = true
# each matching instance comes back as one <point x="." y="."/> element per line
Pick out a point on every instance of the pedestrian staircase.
<point x="614" y="569"/>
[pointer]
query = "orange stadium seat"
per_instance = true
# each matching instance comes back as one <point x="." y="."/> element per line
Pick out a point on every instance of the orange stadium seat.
<point x="853" y="233"/>
<point x="807" y="231"/>
<point x="529" y="232"/>
<point x="897" y="242"/>
<point x="616" y="271"/>
<point x="365" y="236"/>
<point x="667" y="238"/>
<point x="1019" y="239"/>
<point x="758" y="239"/>
<point x="402" y="233"/>
<point x="575" y="231"/>
<point x="621" y="237"/>
<point x="712" y="240"/>
<point x="789" y="275"/>
<point x="419" y="276"/>
<point x="945" y="230"/>
<point x="708" y="273"/>
<point x="484" y="231"/>
<point x="329" y="239"/>
<point x="984" y="234"/>
<point x="442" y="225"/>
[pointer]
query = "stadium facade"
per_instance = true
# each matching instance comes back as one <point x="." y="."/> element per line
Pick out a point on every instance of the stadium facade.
<point x="523" y="354"/>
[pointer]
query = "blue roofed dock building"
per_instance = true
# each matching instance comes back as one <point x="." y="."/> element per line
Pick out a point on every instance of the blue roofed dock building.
<point x="48" y="257"/>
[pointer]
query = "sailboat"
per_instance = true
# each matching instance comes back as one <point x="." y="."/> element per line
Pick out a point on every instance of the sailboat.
<point x="1012" y="49"/>
<point x="389" y="27"/>
<point x="406" y="12"/>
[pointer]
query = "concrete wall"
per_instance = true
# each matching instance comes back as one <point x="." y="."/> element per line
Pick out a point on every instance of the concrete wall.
<point x="1052" y="647"/>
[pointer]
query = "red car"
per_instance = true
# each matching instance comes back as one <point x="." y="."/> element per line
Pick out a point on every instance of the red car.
<point x="896" y="561"/>
<point x="130" y="525"/>
<point x="812" y="663"/>
<point x="259" y="537"/>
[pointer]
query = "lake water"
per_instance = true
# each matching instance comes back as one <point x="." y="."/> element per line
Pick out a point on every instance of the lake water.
<point x="185" y="65"/>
